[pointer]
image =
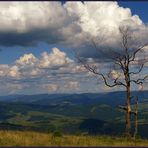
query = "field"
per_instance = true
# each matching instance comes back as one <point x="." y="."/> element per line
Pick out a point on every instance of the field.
<point x="25" y="138"/>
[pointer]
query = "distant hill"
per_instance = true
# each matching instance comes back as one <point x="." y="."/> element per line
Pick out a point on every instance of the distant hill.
<point x="111" y="98"/>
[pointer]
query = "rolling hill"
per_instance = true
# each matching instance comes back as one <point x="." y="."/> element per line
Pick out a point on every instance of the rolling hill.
<point x="70" y="113"/>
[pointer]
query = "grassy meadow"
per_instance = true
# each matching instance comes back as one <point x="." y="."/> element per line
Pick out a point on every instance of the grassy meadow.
<point x="28" y="138"/>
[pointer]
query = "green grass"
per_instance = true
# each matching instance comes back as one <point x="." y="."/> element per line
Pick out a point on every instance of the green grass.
<point x="26" y="138"/>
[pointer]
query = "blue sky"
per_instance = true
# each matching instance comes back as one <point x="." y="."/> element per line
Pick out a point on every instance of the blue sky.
<point x="140" y="8"/>
<point x="37" y="50"/>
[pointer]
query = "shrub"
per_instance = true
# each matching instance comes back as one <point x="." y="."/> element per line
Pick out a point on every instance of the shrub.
<point x="57" y="134"/>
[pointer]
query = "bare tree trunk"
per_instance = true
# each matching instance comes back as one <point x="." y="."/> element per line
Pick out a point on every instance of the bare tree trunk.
<point x="128" y="112"/>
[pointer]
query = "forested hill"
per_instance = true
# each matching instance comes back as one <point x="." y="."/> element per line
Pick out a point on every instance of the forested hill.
<point x="111" y="98"/>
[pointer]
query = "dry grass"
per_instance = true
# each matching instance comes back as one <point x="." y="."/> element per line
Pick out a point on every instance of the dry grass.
<point x="18" y="138"/>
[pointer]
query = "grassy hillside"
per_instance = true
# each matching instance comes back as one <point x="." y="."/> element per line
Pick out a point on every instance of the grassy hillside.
<point x="18" y="138"/>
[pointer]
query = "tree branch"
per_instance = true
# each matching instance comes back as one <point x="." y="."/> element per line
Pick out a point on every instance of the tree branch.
<point x="125" y="109"/>
<point x="93" y="70"/>
<point x="140" y="69"/>
<point x="132" y="57"/>
<point x="139" y="81"/>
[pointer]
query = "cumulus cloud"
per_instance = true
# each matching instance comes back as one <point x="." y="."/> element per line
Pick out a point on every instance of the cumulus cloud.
<point x="15" y="18"/>
<point x="53" y="72"/>
<point x="54" y="60"/>
<point x="95" y="15"/>
<point x="11" y="88"/>
<point x="14" y="72"/>
<point x="72" y="23"/>
<point x="70" y="86"/>
<point x="38" y="23"/>
<point x="51" y="87"/>
<point x="100" y="21"/>
<point x="29" y="66"/>
<point x="58" y="73"/>
<point x="27" y="59"/>
<point x="3" y="70"/>
<point x="114" y="74"/>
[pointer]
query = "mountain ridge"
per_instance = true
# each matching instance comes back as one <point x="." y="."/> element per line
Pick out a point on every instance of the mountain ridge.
<point x="111" y="98"/>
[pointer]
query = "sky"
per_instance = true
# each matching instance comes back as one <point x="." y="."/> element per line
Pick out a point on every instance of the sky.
<point x="38" y="46"/>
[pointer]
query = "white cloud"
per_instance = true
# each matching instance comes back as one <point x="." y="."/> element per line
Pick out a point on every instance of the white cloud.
<point x="25" y="16"/>
<point x="28" y="65"/>
<point x="60" y="76"/>
<point x="9" y="71"/>
<point x="114" y="74"/>
<point x="54" y="75"/>
<point x="11" y="88"/>
<point x="94" y="17"/>
<point x="55" y="59"/>
<point x="14" y="72"/>
<point x="69" y="25"/>
<point x="51" y="87"/>
<point x="3" y="70"/>
<point x="72" y="85"/>
<point x="26" y="59"/>
<point x="69" y="86"/>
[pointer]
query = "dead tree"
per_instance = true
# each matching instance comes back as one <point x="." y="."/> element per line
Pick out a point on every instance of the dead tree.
<point x="135" y="113"/>
<point x="125" y="62"/>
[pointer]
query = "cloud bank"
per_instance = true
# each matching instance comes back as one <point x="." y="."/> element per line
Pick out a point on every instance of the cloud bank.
<point x="49" y="73"/>
<point x="27" y="23"/>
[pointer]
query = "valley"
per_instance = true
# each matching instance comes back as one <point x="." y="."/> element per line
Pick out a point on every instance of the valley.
<point x="70" y="113"/>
